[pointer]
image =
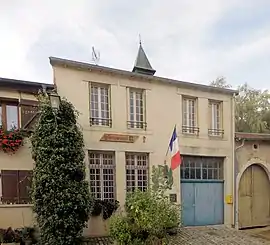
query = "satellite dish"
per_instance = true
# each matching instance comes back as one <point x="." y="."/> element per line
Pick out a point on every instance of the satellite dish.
<point x="95" y="56"/>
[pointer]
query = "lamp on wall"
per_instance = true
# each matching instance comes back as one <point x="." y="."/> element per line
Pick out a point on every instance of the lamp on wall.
<point x="55" y="100"/>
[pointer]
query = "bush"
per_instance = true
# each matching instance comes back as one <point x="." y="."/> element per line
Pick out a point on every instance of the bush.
<point x="28" y="235"/>
<point x="151" y="213"/>
<point x="149" y="216"/>
<point x="120" y="229"/>
<point x="60" y="192"/>
<point x="9" y="236"/>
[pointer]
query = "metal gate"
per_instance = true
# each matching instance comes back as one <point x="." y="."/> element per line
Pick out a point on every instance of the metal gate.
<point x="202" y="188"/>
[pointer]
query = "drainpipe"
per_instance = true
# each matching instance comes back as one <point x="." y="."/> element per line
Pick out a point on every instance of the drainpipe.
<point x="236" y="169"/>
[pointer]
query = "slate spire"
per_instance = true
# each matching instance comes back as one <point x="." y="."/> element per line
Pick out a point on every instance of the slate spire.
<point x="142" y="64"/>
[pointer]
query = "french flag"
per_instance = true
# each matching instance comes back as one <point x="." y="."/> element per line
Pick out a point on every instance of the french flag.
<point x="174" y="149"/>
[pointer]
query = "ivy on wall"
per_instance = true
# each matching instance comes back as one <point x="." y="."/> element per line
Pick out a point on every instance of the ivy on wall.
<point x="60" y="192"/>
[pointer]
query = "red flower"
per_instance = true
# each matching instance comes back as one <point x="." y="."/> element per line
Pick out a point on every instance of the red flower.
<point x="5" y="141"/>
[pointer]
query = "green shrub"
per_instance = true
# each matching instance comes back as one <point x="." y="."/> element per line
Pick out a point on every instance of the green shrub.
<point x="60" y="192"/>
<point x="149" y="216"/>
<point x="120" y="229"/>
<point x="152" y="213"/>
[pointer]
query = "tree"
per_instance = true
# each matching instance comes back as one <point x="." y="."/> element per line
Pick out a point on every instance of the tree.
<point x="220" y="82"/>
<point x="252" y="108"/>
<point x="60" y="192"/>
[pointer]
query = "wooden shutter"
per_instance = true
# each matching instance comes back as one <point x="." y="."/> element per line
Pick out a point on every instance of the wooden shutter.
<point x="29" y="109"/>
<point x="24" y="183"/>
<point x="9" y="180"/>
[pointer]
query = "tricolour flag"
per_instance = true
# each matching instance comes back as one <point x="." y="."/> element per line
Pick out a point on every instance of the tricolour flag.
<point x="174" y="149"/>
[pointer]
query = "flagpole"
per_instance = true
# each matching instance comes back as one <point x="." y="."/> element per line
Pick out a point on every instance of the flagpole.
<point x="169" y="144"/>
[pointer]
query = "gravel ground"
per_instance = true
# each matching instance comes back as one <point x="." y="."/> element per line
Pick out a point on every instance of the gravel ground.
<point x="203" y="236"/>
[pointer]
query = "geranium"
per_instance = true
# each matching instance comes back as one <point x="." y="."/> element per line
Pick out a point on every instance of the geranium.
<point x="10" y="141"/>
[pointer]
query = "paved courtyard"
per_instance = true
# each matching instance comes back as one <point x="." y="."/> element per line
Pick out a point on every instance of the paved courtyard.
<point x="217" y="235"/>
<point x="206" y="235"/>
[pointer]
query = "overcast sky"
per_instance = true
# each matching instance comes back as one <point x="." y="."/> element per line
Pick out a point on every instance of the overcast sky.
<point x="190" y="40"/>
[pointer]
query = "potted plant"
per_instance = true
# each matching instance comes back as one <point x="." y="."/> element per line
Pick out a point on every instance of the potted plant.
<point x="9" y="236"/>
<point x="28" y="235"/>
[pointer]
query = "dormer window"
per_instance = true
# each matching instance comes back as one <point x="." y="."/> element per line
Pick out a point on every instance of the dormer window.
<point x="9" y="115"/>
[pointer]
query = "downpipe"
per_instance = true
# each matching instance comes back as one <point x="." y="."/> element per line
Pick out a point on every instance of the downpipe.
<point x="236" y="169"/>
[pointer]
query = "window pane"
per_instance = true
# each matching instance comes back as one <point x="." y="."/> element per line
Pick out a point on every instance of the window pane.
<point x="99" y="105"/>
<point x="12" y="117"/>
<point x="198" y="167"/>
<point x="136" y="108"/>
<point x="189" y="115"/>
<point x="137" y="171"/>
<point x="102" y="175"/>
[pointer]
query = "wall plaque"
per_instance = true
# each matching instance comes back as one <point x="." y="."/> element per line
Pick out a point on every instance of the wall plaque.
<point x="173" y="197"/>
<point x="123" y="138"/>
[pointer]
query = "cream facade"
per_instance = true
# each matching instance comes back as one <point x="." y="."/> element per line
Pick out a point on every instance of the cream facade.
<point x="252" y="166"/>
<point x="127" y="119"/>
<point x="141" y="110"/>
<point x="17" y="108"/>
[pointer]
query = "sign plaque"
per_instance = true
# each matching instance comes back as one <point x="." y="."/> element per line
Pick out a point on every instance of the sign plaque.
<point x="123" y="138"/>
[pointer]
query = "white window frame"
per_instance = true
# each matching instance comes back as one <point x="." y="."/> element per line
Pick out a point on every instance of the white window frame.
<point x="189" y="115"/>
<point x="100" y="120"/>
<point x="137" y="167"/>
<point x="101" y="163"/>
<point x="215" y="109"/>
<point x="141" y="112"/>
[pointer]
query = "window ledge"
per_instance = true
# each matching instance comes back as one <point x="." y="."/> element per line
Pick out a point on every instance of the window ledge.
<point x="190" y="135"/>
<point x="122" y="131"/>
<point x="138" y="131"/>
<point x="16" y="205"/>
<point x="216" y="137"/>
<point x="98" y="127"/>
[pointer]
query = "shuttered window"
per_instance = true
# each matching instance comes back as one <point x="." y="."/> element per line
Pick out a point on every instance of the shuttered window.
<point x="29" y="109"/>
<point x="16" y="186"/>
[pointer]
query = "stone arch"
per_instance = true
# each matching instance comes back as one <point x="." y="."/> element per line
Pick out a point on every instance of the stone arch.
<point x="253" y="161"/>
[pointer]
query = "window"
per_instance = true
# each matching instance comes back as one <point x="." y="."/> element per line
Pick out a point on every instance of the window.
<point x="137" y="165"/>
<point x="189" y="116"/>
<point x="15" y="186"/>
<point x="197" y="167"/>
<point x="99" y="105"/>
<point x="9" y="115"/>
<point x="102" y="175"/>
<point x="136" y="109"/>
<point x="29" y="113"/>
<point x="215" y="119"/>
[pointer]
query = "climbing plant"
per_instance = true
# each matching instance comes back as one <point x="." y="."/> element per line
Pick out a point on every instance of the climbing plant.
<point x="60" y="193"/>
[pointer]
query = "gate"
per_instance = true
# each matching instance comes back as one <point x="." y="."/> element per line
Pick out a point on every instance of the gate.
<point x="202" y="188"/>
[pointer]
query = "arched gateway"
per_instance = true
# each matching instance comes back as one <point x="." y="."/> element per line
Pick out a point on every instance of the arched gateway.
<point x="254" y="197"/>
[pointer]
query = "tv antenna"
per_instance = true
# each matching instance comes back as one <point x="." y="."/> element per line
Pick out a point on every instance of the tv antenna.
<point x="95" y="56"/>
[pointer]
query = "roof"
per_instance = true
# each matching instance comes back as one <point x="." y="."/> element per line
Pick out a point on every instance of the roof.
<point x="142" y="64"/>
<point x="54" y="61"/>
<point x="252" y="136"/>
<point x="24" y="86"/>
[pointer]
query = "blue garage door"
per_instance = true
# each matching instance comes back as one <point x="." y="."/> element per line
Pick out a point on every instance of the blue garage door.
<point x="202" y="189"/>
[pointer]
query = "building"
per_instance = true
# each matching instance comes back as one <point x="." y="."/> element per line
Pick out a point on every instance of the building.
<point x="18" y="107"/>
<point x="127" y="119"/>
<point x="252" y="184"/>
